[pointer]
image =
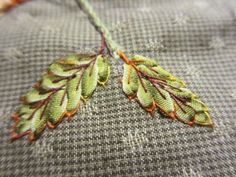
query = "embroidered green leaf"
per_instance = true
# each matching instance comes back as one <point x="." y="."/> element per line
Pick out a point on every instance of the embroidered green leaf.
<point x="74" y="93"/>
<point x="154" y="87"/>
<point x="61" y="70"/>
<point x="56" y="108"/>
<point x="144" y="61"/>
<point x="25" y="111"/>
<point x="144" y="95"/>
<point x="145" y="69"/>
<point x="103" y="69"/>
<point x="89" y="80"/>
<point x="34" y="96"/>
<point x="50" y="82"/>
<point x="203" y="118"/>
<point x="22" y="126"/>
<point x="38" y="123"/>
<point x="164" y="101"/>
<point x="59" y="93"/>
<point x="74" y="78"/>
<point x="130" y="80"/>
<point x="76" y="59"/>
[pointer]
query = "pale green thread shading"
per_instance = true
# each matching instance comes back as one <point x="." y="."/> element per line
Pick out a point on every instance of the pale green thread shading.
<point x="59" y="93"/>
<point x="170" y="94"/>
<point x="74" y="78"/>
<point x="154" y="87"/>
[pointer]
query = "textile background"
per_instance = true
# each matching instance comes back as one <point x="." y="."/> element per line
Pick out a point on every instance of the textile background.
<point x="111" y="136"/>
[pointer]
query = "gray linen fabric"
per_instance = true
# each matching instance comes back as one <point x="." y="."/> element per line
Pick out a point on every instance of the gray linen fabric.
<point x="110" y="136"/>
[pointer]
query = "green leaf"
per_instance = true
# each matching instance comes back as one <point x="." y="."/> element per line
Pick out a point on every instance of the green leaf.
<point x="89" y="80"/>
<point x="61" y="70"/>
<point x="163" y="100"/>
<point x="183" y="92"/>
<point x="34" y="96"/>
<point x="56" y="108"/>
<point x="144" y="95"/>
<point x="198" y="105"/>
<point x="203" y="119"/>
<point x="25" y="111"/>
<point x="74" y="93"/>
<point x="184" y="113"/>
<point x="22" y="126"/>
<point x="144" y="61"/>
<point x="167" y="75"/>
<point x="75" y="59"/>
<point x="59" y="93"/>
<point x="162" y="72"/>
<point x="130" y="80"/>
<point x="147" y="71"/>
<point x="103" y="70"/>
<point x="149" y="82"/>
<point x="50" y="82"/>
<point x="38" y="122"/>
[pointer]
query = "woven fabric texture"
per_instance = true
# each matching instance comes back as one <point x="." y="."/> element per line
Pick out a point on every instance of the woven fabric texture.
<point x="111" y="136"/>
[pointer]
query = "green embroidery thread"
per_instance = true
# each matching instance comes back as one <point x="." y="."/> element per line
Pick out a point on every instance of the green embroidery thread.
<point x="151" y="85"/>
<point x="59" y="93"/>
<point x="74" y="78"/>
<point x="154" y="87"/>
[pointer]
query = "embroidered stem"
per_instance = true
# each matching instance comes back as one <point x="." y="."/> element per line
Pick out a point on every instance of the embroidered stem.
<point x="99" y="25"/>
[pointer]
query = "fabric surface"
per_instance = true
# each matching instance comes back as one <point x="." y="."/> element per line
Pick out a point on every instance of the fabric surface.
<point x="111" y="136"/>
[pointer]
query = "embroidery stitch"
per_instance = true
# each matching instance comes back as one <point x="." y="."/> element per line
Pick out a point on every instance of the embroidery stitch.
<point x="74" y="78"/>
<point x="59" y="93"/>
<point x="151" y="85"/>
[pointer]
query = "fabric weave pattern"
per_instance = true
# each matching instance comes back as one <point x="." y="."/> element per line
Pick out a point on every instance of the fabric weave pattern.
<point x="111" y="136"/>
